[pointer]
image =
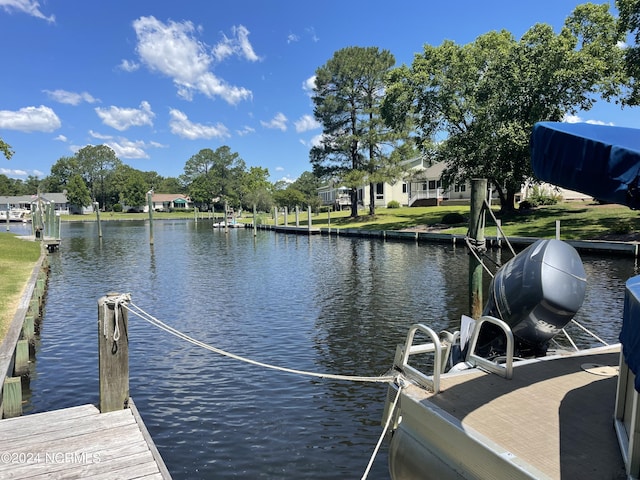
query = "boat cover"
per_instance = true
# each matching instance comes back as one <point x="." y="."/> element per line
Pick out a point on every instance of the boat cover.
<point x="630" y="333"/>
<point x="598" y="160"/>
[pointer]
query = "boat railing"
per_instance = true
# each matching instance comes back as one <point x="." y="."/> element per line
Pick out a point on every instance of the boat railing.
<point x="505" y="368"/>
<point x="435" y="346"/>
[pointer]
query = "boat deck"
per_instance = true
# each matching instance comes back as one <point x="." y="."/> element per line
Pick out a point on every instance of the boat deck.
<point x="554" y="415"/>
<point x="79" y="442"/>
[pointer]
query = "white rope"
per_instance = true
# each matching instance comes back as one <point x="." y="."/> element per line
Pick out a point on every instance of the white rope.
<point x="136" y="310"/>
<point x="488" y="207"/>
<point x="117" y="301"/>
<point x="590" y="333"/>
<point x="401" y="384"/>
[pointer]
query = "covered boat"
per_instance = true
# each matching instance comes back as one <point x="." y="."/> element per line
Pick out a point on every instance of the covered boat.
<point x="492" y="401"/>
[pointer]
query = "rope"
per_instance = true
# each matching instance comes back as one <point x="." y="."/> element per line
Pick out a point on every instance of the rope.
<point x="117" y="301"/>
<point x="472" y="248"/>
<point x="486" y="206"/>
<point x="139" y="312"/>
<point x="401" y="384"/>
<point x="590" y="333"/>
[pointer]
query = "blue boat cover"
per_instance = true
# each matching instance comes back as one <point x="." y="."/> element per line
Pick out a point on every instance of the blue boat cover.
<point x="630" y="333"/>
<point x="597" y="160"/>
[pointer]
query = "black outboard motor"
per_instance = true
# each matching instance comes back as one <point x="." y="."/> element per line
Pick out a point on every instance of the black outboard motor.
<point x="536" y="293"/>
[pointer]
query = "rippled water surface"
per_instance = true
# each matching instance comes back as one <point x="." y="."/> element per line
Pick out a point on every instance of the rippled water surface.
<point x="334" y="305"/>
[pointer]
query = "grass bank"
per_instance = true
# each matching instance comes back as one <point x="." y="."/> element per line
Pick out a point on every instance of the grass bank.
<point x="579" y="221"/>
<point x="17" y="259"/>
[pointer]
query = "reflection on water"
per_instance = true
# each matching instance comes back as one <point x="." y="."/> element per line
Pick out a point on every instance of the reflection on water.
<point x="334" y="305"/>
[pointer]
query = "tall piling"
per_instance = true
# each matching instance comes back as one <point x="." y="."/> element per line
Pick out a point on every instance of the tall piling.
<point x="476" y="237"/>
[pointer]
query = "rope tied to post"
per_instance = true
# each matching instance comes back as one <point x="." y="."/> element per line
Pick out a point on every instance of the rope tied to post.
<point x="118" y="302"/>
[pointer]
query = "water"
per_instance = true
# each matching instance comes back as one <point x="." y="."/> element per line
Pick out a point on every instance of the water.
<point x="334" y="305"/>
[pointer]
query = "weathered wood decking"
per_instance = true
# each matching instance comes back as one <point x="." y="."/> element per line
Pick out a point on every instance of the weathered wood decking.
<point x="79" y="442"/>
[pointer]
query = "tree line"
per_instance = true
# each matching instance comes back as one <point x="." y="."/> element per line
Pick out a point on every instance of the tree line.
<point x="211" y="179"/>
<point x="470" y="106"/>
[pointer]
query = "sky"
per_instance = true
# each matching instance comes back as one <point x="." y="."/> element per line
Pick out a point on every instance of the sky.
<point x="158" y="80"/>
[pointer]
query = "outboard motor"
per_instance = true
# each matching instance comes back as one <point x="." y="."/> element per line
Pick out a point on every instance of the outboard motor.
<point x="536" y="293"/>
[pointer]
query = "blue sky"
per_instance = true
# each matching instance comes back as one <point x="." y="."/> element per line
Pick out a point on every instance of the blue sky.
<point x="160" y="80"/>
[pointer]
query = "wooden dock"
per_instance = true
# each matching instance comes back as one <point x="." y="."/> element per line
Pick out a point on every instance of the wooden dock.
<point x="79" y="442"/>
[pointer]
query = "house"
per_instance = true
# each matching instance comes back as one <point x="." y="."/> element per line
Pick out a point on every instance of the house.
<point x="27" y="203"/>
<point x="421" y="186"/>
<point x="164" y="202"/>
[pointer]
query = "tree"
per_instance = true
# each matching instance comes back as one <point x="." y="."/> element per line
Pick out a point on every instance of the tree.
<point x="629" y="22"/>
<point x="135" y="189"/>
<point x="355" y="145"/>
<point x="308" y="184"/>
<point x="289" y="197"/>
<point x="6" y="149"/>
<point x="214" y="176"/>
<point x="484" y="97"/>
<point x="61" y="172"/>
<point x="96" y="164"/>
<point x="255" y="189"/>
<point x="77" y="192"/>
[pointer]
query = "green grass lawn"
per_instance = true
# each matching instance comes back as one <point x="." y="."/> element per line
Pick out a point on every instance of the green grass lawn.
<point x="17" y="259"/>
<point x="578" y="220"/>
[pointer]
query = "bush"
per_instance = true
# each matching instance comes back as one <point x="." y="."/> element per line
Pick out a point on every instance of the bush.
<point x="393" y="204"/>
<point x="525" y="205"/>
<point x="117" y="208"/>
<point x="453" y="218"/>
<point x="540" y="197"/>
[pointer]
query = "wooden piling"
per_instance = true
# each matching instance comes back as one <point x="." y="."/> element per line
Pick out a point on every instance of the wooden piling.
<point x="113" y="354"/>
<point x="12" y="397"/>
<point x="21" y="365"/>
<point x="255" y="221"/>
<point x="476" y="236"/>
<point x="150" y="206"/>
<point x="96" y="207"/>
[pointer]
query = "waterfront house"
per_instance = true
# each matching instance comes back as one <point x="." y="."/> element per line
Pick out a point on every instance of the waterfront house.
<point x="165" y="202"/>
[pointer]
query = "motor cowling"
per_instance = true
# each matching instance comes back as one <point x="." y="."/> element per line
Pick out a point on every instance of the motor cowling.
<point x="536" y="293"/>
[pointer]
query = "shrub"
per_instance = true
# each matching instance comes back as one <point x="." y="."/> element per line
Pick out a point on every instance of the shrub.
<point x="622" y="227"/>
<point x="525" y="205"/>
<point x="393" y="204"/>
<point x="453" y="218"/>
<point x="117" y="208"/>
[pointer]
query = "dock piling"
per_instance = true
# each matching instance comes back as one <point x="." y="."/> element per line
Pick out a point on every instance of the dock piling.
<point x="113" y="353"/>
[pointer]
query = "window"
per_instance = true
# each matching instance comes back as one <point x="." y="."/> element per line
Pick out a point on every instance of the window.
<point x="379" y="191"/>
<point x="432" y="184"/>
<point x="404" y="188"/>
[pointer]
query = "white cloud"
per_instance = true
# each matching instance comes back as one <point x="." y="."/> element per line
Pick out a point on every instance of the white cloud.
<point x="12" y="172"/>
<point x="30" y="7"/>
<point x="172" y="50"/>
<point x="237" y="45"/>
<point x="128" y="66"/>
<point x="61" y="138"/>
<point x="309" y="85"/>
<point x="278" y="122"/>
<point x="577" y="119"/>
<point x="70" y="98"/>
<point x="123" y="118"/>
<point x="30" y="119"/>
<point x="183" y="127"/>
<point x="125" y="148"/>
<point x="305" y="123"/>
<point x="246" y="130"/>
<point x="292" y="37"/>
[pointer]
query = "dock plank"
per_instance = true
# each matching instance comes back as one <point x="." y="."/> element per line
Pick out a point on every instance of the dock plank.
<point x="79" y="442"/>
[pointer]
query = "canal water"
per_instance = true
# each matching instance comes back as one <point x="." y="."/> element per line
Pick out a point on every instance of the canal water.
<point x="335" y="305"/>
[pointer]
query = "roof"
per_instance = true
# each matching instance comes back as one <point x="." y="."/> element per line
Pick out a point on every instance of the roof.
<point x="169" y="197"/>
